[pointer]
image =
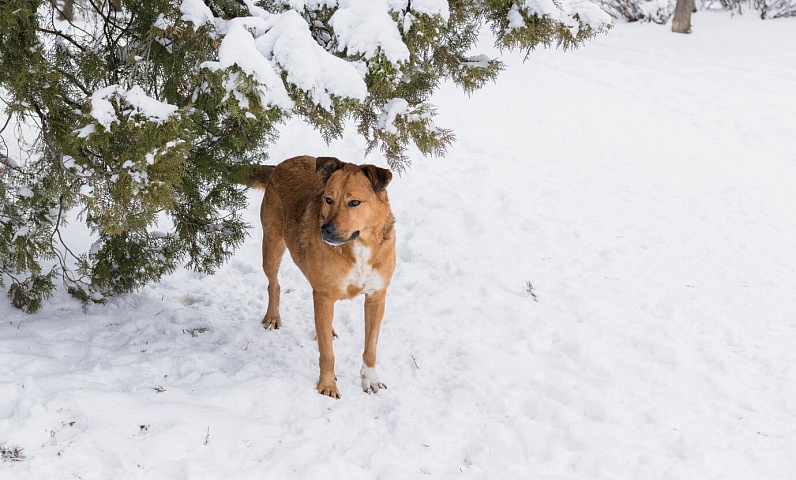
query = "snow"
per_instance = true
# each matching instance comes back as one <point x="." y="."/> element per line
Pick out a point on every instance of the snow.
<point x="239" y="48"/>
<point x="515" y="17"/>
<point x="366" y="27"/>
<point x="86" y="131"/>
<point x="564" y="11"/>
<point x="162" y="23"/>
<point x="391" y="110"/>
<point x="25" y="192"/>
<point x="427" y="7"/>
<point x="21" y="232"/>
<point x="102" y="109"/>
<point x="268" y="45"/>
<point x="596" y="282"/>
<point x="272" y="46"/>
<point x="477" y="60"/>
<point x="153" y="110"/>
<point x="194" y="11"/>
<point x="432" y="7"/>
<point x="307" y="64"/>
<point x="104" y="113"/>
<point x="589" y="13"/>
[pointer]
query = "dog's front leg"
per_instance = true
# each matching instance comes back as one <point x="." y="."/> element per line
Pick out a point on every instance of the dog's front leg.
<point x="324" y="314"/>
<point x="374" y="312"/>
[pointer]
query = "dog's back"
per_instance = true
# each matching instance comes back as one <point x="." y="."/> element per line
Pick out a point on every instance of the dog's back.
<point x="295" y="179"/>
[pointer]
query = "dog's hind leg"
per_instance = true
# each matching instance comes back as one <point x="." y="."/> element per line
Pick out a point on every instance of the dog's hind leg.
<point x="273" y="250"/>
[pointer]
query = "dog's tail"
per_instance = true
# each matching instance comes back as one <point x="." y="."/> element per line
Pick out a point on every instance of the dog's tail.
<point x="257" y="177"/>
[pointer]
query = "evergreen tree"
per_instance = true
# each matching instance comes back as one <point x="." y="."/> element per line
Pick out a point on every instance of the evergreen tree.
<point x="153" y="109"/>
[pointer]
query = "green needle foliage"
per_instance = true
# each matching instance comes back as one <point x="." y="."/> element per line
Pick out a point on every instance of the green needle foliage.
<point x="99" y="155"/>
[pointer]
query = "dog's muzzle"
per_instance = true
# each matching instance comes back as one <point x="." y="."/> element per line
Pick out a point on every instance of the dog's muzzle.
<point x="330" y="235"/>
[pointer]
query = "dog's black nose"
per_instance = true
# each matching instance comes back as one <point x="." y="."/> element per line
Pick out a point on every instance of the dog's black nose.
<point x="328" y="229"/>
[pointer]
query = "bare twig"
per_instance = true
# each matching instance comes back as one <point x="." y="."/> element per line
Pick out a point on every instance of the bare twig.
<point x="8" y="120"/>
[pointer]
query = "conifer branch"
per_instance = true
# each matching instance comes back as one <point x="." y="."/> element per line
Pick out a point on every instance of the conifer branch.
<point x="116" y="164"/>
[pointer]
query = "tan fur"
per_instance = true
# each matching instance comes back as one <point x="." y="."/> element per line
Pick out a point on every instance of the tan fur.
<point x="259" y="176"/>
<point x="295" y="211"/>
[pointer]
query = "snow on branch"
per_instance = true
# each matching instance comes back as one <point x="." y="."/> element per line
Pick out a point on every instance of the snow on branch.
<point x="568" y="12"/>
<point x="139" y="103"/>
<point x="365" y="27"/>
<point x="267" y="45"/>
<point x="427" y="7"/>
<point x="239" y="48"/>
<point x="196" y="12"/>
<point x="395" y="107"/>
<point x="289" y="45"/>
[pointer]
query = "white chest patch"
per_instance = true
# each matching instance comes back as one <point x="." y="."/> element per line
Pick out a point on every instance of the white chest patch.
<point x="362" y="275"/>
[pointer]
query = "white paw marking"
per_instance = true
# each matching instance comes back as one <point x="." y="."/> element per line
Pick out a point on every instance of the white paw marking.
<point x="370" y="380"/>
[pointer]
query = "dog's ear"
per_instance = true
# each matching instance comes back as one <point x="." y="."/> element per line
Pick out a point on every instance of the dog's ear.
<point x="379" y="177"/>
<point x="326" y="166"/>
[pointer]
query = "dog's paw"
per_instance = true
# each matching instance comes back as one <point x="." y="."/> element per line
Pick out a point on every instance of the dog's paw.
<point x="272" y="322"/>
<point x="370" y="380"/>
<point x="328" y="388"/>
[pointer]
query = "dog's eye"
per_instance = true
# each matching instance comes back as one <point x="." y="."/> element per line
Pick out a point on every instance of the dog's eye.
<point x="329" y="200"/>
<point x="354" y="203"/>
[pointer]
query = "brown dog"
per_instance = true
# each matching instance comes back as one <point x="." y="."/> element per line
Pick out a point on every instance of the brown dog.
<point x="335" y="220"/>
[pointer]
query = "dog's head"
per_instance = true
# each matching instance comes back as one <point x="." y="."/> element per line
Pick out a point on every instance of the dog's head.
<point x="354" y="200"/>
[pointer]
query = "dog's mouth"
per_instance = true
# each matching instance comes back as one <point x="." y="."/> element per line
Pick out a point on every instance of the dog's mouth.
<point x="330" y="236"/>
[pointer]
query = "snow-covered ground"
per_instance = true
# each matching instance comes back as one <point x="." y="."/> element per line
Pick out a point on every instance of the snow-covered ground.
<point x="596" y="283"/>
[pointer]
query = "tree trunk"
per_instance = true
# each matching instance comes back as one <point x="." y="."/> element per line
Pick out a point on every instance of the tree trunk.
<point x="116" y="5"/>
<point x="65" y="9"/>
<point x="681" y="21"/>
